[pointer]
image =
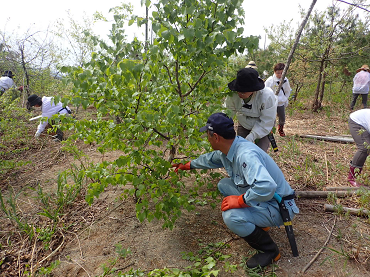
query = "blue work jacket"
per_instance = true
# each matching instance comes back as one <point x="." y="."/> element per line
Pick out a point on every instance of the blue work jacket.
<point x="250" y="167"/>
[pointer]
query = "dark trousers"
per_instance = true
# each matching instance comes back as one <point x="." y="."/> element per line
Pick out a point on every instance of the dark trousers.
<point x="354" y="99"/>
<point x="281" y="115"/>
<point x="58" y="134"/>
<point x="262" y="143"/>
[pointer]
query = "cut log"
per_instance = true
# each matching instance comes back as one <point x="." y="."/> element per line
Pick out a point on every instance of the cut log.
<point x="342" y="139"/>
<point x="323" y="194"/>
<point x="352" y="211"/>
<point x="342" y="188"/>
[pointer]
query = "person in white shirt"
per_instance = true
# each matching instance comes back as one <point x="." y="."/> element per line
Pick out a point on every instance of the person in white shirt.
<point x="48" y="108"/>
<point x="6" y="82"/>
<point x="359" y="127"/>
<point x="283" y="95"/>
<point x="361" y="84"/>
<point x="254" y="105"/>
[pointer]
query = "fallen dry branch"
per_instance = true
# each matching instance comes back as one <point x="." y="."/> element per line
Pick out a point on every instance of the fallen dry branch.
<point x="327" y="170"/>
<point x="341" y="188"/>
<point x="352" y="211"/>
<point x="77" y="263"/>
<point x="51" y="254"/>
<point x="323" y="194"/>
<point x="33" y="250"/>
<point x="341" y="139"/>
<point x="322" y="248"/>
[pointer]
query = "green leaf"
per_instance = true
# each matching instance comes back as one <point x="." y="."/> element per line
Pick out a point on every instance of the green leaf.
<point x="188" y="33"/>
<point x="166" y="34"/>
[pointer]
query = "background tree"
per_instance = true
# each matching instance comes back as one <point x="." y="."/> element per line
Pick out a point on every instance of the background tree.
<point x="161" y="100"/>
<point x="322" y="47"/>
<point x="32" y="57"/>
<point x="76" y="38"/>
<point x="343" y="34"/>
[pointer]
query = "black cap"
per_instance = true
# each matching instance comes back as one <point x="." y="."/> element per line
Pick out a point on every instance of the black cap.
<point x="220" y="124"/>
<point x="247" y="80"/>
<point x="34" y="100"/>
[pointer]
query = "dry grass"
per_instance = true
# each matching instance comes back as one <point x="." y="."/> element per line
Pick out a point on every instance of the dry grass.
<point x="307" y="164"/>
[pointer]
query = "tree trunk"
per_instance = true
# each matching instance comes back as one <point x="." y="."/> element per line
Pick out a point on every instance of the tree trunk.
<point x="319" y="93"/>
<point x="296" y="92"/>
<point x="25" y="71"/>
<point x="316" y="104"/>
<point x="298" y="36"/>
<point x="146" y="28"/>
<point x="322" y="89"/>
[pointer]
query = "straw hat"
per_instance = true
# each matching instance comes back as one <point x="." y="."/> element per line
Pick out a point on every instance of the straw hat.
<point x="251" y="64"/>
<point x="365" y="67"/>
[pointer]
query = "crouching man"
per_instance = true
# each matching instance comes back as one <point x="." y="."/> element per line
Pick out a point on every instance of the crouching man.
<point x="248" y="206"/>
<point x="48" y="108"/>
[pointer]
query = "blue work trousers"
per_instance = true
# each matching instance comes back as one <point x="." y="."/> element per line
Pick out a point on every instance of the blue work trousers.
<point x="243" y="221"/>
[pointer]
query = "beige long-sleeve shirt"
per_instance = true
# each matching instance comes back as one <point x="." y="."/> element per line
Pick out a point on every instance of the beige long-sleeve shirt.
<point x="257" y="115"/>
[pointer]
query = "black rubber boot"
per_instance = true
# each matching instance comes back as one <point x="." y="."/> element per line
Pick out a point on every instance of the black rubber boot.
<point x="59" y="135"/>
<point x="261" y="240"/>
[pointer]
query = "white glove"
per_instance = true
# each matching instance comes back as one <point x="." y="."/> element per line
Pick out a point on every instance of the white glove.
<point x="37" y="134"/>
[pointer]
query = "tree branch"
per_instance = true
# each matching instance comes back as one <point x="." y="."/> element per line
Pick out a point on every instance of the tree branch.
<point x="298" y="36"/>
<point x="196" y="83"/>
<point x="357" y="6"/>
<point x="177" y="79"/>
<point x="168" y="72"/>
<point x="322" y="248"/>
<point x="162" y="135"/>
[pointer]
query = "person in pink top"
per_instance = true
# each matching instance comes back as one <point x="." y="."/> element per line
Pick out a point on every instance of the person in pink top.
<point x="361" y="84"/>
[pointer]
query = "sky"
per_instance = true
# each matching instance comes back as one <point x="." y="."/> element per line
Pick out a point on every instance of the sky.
<point x="39" y="14"/>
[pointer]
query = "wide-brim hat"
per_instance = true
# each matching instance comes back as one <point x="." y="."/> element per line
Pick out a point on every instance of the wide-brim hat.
<point x="251" y="64"/>
<point x="247" y="80"/>
<point x="365" y="67"/>
<point x="34" y="100"/>
<point x="8" y="73"/>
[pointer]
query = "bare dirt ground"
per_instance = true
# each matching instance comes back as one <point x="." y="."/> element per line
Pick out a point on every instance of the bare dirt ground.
<point x="95" y="230"/>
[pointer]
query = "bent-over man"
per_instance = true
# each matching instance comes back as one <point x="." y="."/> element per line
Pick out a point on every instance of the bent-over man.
<point x="254" y="178"/>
